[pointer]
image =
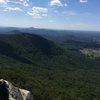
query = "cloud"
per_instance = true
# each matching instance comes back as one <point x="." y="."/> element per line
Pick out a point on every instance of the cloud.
<point x="20" y="2"/>
<point x="38" y="12"/>
<point x="83" y="1"/>
<point x="14" y="5"/>
<point x="56" y="3"/>
<point x="34" y="15"/>
<point x="13" y="9"/>
<point x="2" y="1"/>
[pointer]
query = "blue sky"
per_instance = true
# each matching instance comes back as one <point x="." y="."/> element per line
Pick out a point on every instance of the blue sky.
<point x="51" y="14"/>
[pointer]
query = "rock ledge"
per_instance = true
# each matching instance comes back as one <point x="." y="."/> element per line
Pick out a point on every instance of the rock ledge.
<point x="10" y="92"/>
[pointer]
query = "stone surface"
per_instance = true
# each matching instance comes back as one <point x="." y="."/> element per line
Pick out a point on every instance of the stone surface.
<point x="10" y="92"/>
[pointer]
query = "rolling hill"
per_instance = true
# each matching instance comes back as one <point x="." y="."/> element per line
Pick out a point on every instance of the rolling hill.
<point x="50" y="69"/>
<point x="24" y="47"/>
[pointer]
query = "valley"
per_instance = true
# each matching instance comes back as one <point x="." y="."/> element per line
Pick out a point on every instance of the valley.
<point x="50" y="63"/>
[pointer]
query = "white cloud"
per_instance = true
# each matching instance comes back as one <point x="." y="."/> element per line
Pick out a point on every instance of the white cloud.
<point x="20" y="2"/>
<point x="56" y="3"/>
<point x="13" y="9"/>
<point x="14" y="5"/>
<point x="83" y="1"/>
<point x="34" y="15"/>
<point x="38" y="12"/>
<point x="2" y="1"/>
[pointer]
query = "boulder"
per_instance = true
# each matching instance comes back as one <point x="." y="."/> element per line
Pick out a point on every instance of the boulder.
<point x="9" y="92"/>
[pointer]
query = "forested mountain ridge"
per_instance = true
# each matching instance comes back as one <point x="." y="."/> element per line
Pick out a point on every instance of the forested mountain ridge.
<point x="23" y="45"/>
<point x="51" y="69"/>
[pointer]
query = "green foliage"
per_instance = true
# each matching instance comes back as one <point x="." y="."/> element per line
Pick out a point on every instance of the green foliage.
<point x="48" y="71"/>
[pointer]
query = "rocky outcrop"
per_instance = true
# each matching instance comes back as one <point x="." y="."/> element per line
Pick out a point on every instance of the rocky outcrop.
<point x="10" y="92"/>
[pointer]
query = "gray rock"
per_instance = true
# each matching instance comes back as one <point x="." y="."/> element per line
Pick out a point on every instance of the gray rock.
<point x="10" y="92"/>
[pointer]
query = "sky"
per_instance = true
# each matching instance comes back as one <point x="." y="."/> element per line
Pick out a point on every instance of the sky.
<point x="51" y="14"/>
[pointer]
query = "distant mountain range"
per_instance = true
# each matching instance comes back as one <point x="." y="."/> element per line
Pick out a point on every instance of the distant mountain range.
<point x="27" y="30"/>
<point x="38" y="30"/>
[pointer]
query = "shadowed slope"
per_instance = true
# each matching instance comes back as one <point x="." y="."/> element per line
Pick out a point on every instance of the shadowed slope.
<point x="25" y="47"/>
